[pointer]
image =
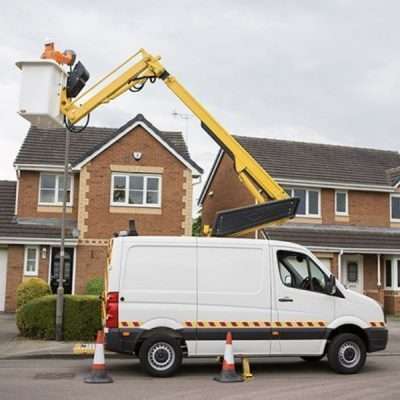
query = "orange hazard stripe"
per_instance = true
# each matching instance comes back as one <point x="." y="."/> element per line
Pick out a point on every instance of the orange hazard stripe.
<point x="255" y="324"/>
<point x="377" y="324"/>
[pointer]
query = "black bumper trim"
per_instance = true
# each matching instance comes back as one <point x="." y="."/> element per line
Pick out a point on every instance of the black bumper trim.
<point x="116" y="342"/>
<point x="377" y="339"/>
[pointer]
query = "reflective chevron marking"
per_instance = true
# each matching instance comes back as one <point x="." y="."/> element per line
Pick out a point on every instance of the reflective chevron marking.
<point x="248" y="324"/>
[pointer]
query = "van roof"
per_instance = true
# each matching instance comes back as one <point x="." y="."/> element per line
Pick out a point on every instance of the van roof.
<point x="211" y="240"/>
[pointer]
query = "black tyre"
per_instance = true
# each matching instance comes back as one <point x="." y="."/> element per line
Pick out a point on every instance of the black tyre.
<point x="161" y="356"/>
<point x="312" y="358"/>
<point x="347" y="353"/>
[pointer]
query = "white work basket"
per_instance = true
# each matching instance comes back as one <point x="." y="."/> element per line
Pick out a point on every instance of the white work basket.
<point x="39" y="101"/>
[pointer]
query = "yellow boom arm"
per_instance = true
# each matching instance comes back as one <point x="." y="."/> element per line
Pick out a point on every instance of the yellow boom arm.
<point x="259" y="183"/>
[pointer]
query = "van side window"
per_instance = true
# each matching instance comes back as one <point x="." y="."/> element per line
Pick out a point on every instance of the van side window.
<point x="300" y="272"/>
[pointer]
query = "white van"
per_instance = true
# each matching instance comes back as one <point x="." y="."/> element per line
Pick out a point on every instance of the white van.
<point x="175" y="297"/>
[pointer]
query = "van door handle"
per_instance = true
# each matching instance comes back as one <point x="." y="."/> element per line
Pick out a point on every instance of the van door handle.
<point x="285" y="299"/>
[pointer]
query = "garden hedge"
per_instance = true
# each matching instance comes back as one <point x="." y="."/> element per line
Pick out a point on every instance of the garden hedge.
<point x="31" y="289"/>
<point x="95" y="286"/>
<point x="82" y="317"/>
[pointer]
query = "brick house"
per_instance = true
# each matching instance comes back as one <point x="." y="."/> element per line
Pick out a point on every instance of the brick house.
<point x="349" y="214"/>
<point x="135" y="172"/>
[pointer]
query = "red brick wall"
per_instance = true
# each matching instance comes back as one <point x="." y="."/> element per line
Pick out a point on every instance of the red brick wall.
<point x="101" y="223"/>
<point x="28" y="197"/>
<point x="371" y="277"/>
<point x="15" y="270"/>
<point x="90" y="263"/>
<point x="369" y="208"/>
<point x="365" y="208"/>
<point x="328" y="206"/>
<point x="228" y="192"/>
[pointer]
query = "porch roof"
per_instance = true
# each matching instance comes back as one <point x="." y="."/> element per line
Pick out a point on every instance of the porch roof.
<point x="338" y="237"/>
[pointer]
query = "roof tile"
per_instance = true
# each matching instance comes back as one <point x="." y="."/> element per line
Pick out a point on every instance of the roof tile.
<point x="46" y="146"/>
<point x="322" y="162"/>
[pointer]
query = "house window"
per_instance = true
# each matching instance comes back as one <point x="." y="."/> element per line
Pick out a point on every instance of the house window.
<point x="51" y="189"/>
<point x="395" y="207"/>
<point x="392" y="273"/>
<point x="341" y="203"/>
<point x="31" y="263"/>
<point x="309" y="201"/>
<point x="136" y="190"/>
<point x="352" y="272"/>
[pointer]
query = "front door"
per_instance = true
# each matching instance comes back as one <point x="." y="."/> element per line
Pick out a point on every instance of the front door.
<point x="352" y="272"/>
<point x="304" y="309"/>
<point x="68" y="269"/>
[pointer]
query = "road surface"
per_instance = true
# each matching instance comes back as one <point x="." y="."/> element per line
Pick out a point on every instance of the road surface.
<point x="273" y="379"/>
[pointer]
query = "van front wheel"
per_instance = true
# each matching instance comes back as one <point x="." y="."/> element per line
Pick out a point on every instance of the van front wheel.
<point x="347" y="353"/>
<point x="160" y="356"/>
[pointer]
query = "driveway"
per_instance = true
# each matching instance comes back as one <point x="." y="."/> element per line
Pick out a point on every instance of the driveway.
<point x="8" y="331"/>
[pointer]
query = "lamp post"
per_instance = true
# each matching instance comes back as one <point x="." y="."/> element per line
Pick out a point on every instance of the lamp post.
<point x="60" y="288"/>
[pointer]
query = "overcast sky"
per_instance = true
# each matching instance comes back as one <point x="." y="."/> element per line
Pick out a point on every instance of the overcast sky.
<point x="321" y="71"/>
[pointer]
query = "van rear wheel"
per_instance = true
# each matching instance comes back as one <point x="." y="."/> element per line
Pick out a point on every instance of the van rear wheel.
<point x="347" y="353"/>
<point x="160" y="356"/>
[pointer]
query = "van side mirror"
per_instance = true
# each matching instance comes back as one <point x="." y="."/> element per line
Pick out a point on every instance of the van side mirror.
<point x="331" y="285"/>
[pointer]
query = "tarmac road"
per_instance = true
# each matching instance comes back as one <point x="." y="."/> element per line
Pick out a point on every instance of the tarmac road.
<point x="273" y="379"/>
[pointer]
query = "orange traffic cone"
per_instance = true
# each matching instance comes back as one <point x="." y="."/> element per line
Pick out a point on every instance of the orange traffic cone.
<point x="228" y="373"/>
<point x="98" y="373"/>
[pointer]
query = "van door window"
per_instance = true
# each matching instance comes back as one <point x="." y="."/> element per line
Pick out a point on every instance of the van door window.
<point x="300" y="272"/>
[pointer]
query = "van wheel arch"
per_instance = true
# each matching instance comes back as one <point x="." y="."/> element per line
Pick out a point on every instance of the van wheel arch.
<point x="160" y="332"/>
<point x="347" y="328"/>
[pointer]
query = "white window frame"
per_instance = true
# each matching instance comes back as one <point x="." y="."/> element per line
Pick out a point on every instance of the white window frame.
<point x="56" y="203"/>
<point x="126" y="202"/>
<point x="342" y="213"/>
<point x="393" y="285"/>
<point x="290" y="190"/>
<point x="391" y="200"/>
<point x="36" y="271"/>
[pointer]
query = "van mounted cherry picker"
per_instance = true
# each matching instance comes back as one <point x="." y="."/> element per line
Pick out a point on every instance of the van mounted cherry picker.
<point x="63" y="103"/>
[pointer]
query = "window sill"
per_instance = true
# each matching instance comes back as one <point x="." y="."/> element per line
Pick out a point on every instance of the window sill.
<point x="30" y="274"/>
<point x="135" y="210"/>
<point x="306" y="220"/>
<point x="53" y="208"/>
<point x="342" y="218"/>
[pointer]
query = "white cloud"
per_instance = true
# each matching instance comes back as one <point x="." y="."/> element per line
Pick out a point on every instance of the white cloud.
<point x="311" y="71"/>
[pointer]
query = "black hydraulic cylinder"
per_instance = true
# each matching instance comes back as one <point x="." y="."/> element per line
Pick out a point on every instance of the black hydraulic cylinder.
<point x="236" y="220"/>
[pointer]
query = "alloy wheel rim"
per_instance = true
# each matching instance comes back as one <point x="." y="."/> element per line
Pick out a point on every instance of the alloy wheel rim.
<point x="161" y="356"/>
<point x="349" y="354"/>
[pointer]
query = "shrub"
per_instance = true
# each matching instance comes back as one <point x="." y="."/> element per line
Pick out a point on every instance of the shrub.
<point x="31" y="289"/>
<point x="95" y="286"/>
<point x="82" y="317"/>
<point x="37" y="318"/>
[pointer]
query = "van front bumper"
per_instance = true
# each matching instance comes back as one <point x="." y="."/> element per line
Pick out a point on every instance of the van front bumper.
<point x="377" y="339"/>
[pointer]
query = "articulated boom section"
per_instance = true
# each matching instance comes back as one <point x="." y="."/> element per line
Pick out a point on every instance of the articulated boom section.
<point x="273" y="204"/>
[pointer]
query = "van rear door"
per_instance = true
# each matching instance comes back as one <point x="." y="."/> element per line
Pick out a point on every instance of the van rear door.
<point x="158" y="282"/>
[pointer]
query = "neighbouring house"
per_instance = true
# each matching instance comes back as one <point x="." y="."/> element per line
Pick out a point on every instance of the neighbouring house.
<point x="134" y="172"/>
<point x="349" y="213"/>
